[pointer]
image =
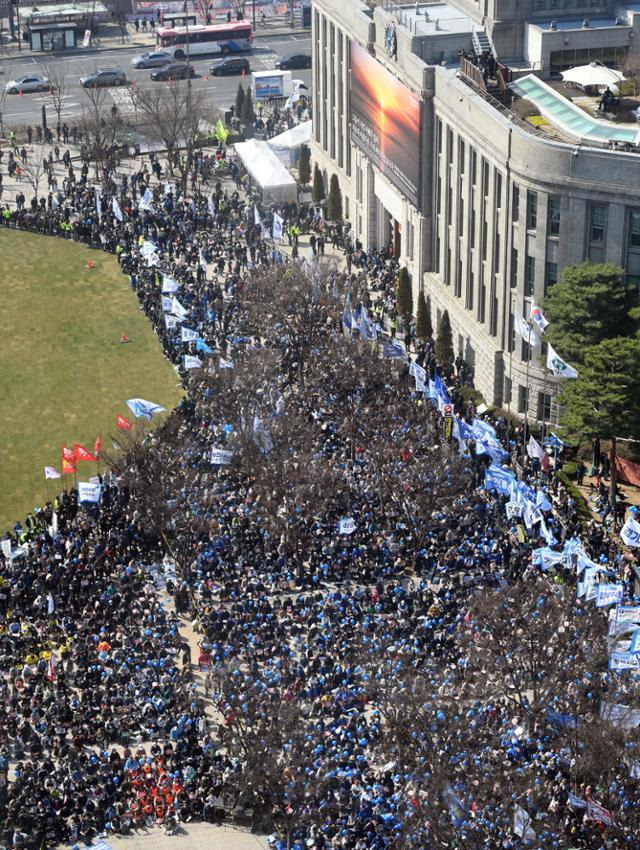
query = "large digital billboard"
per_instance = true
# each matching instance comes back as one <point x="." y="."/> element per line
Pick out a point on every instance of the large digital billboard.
<point x="385" y="122"/>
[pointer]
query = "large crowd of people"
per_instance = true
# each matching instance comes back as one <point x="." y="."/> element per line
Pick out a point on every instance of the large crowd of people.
<point x="106" y="729"/>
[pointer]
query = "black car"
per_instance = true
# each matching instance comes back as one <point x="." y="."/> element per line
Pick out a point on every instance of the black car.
<point x="229" y="67"/>
<point x="173" y="71"/>
<point x="294" y="62"/>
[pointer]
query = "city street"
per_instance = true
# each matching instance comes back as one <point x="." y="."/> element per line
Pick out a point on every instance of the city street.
<point x="220" y="91"/>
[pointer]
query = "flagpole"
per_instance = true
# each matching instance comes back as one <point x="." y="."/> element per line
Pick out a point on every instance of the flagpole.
<point x="46" y="484"/>
<point x="527" y="399"/>
<point x="511" y="347"/>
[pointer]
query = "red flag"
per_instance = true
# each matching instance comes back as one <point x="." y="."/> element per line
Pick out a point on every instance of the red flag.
<point x="51" y="672"/>
<point x="98" y="444"/>
<point x="68" y="468"/>
<point x="81" y="453"/>
<point x="67" y="454"/>
<point x="123" y="424"/>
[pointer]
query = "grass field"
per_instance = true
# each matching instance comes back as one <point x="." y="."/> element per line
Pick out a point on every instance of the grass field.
<point x="64" y="374"/>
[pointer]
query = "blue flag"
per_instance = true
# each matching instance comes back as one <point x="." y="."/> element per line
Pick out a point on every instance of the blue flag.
<point x="441" y="389"/>
<point x="498" y="478"/>
<point x="201" y="345"/>
<point x="394" y="350"/>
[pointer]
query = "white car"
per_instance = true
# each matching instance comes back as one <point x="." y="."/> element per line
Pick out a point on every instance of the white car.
<point x="152" y="60"/>
<point x="28" y="83"/>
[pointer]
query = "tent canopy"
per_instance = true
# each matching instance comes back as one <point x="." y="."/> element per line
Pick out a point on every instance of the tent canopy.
<point x="293" y="138"/>
<point x="267" y="171"/>
<point x="593" y="74"/>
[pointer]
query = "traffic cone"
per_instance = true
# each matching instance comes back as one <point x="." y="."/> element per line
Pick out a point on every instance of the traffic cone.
<point x="89" y="264"/>
<point x="20" y="92"/>
<point x="124" y="337"/>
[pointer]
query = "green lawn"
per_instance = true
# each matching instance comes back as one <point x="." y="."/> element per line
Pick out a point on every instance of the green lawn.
<point x="64" y="374"/>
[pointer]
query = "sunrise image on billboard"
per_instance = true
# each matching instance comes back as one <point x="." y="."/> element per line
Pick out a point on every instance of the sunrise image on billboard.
<point x="385" y="122"/>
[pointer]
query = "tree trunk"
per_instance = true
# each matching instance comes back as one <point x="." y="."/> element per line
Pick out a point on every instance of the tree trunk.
<point x="612" y="478"/>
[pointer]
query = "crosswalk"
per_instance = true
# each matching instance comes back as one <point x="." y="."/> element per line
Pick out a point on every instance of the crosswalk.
<point x="122" y="99"/>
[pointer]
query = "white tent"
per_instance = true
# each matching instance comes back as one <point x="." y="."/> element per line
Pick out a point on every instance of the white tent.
<point x="593" y="74"/>
<point x="298" y="135"/>
<point x="267" y="171"/>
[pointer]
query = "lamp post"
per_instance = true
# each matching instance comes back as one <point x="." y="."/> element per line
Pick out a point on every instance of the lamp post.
<point x="19" y="26"/>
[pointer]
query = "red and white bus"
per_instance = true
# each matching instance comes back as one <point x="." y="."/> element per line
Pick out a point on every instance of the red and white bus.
<point x="234" y="37"/>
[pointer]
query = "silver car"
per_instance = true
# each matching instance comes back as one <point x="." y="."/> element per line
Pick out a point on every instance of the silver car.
<point x="151" y="60"/>
<point x="103" y="77"/>
<point x="28" y="83"/>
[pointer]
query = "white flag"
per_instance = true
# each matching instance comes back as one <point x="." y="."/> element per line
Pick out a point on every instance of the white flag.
<point x="140" y="407"/>
<point x="191" y="362"/>
<point x="256" y="215"/>
<point x="558" y="366"/>
<point x="115" y="206"/>
<point x="187" y="335"/>
<point x="98" y="203"/>
<point x="167" y="304"/>
<point x="225" y="364"/>
<point x="169" y="284"/>
<point x="630" y="532"/>
<point x="524" y="329"/>
<point x="522" y="825"/>
<point x="212" y="206"/>
<point x="277" y="226"/>
<point x="534" y="449"/>
<point x="177" y="309"/>
<point x="51" y="472"/>
<point x="51" y="605"/>
<point x="170" y="322"/>
<point x="148" y="249"/>
<point x="145" y="202"/>
<point x="5" y="545"/>
<point x="537" y="318"/>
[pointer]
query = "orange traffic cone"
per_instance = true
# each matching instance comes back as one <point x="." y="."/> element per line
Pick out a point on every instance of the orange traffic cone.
<point x="124" y="337"/>
<point x="89" y="264"/>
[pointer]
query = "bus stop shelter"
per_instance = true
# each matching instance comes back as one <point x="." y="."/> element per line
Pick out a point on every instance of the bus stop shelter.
<point x="53" y="36"/>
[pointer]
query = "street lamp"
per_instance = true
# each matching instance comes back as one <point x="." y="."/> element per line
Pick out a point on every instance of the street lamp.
<point x="19" y="26"/>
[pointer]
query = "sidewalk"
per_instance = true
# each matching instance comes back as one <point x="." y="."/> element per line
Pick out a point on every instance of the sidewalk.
<point x="110" y="38"/>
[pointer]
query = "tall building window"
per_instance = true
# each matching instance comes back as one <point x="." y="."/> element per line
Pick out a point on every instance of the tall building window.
<point x="553" y="217"/>
<point x="532" y="210"/>
<point x="597" y="223"/>
<point x="498" y="190"/>
<point x="513" y="280"/>
<point x="544" y="407"/>
<point x="515" y="204"/>
<point x="530" y="275"/>
<point x="550" y="275"/>
<point x="523" y="398"/>
<point x="634" y="229"/>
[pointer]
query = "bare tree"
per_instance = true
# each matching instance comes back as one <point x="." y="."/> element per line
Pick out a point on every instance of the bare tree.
<point x="294" y="308"/>
<point x="35" y="168"/>
<point x="58" y="75"/>
<point x="523" y="636"/>
<point x="173" y="116"/>
<point x="102" y="125"/>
